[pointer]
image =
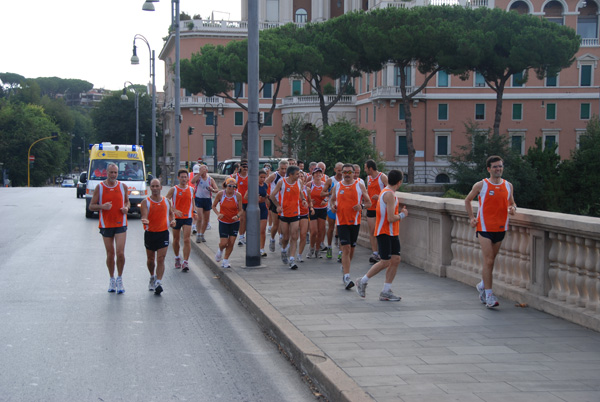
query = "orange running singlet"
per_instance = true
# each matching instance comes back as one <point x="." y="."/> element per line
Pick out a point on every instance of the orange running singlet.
<point x="228" y="206"/>
<point x="382" y="224"/>
<point x="290" y="199"/>
<point x="158" y="215"/>
<point x="113" y="218"/>
<point x="347" y="196"/>
<point x="183" y="200"/>
<point x="374" y="187"/>
<point x="492" y="214"/>
<point x="242" y="186"/>
<point x="315" y="195"/>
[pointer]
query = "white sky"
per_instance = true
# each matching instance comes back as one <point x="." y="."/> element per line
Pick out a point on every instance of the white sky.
<point x="92" y="40"/>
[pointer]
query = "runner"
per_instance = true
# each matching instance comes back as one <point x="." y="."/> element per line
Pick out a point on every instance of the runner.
<point x="272" y="181"/>
<point x="111" y="201"/>
<point x="157" y="216"/>
<point x="228" y="215"/>
<point x="331" y="226"/>
<point x="387" y="229"/>
<point x="376" y="182"/>
<point x="182" y="197"/>
<point x="205" y="186"/>
<point x="318" y="213"/>
<point x="347" y="200"/>
<point x="242" y="187"/>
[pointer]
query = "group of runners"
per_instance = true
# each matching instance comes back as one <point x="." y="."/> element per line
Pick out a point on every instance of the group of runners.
<point x="297" y="208"/>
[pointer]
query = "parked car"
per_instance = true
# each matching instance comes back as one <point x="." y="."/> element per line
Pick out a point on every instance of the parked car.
<point x="226" y="167"/>
<point x="81" y="185"/>
<point x="67" y="182"/>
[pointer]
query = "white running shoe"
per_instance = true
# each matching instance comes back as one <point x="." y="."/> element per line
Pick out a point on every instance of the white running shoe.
<point x="481" y="291"/>
<point x="112" y="286"/>
<point x="120" y="288"/>
<point x="208" y="226"/>
<point x="219" y="255"/>
<point x="491" y="301"/>
<point x="151" y="284"/>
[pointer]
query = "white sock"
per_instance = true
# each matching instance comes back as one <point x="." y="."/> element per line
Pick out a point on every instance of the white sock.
<point x="346" y="276"/>
<point x="364" y="279"/>
<point x="225" y="261"/>
<point x="387" y="287"/>
<point x="488" y="292"/>
<point x="375" y="252"/>
<point x="158" y="282"/>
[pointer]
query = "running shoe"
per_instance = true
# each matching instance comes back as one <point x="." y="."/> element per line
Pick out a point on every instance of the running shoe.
<point x="112" y="286"/>
<point x="329" y="253"/>
<point x="323" y="247"/>
<point x="219" y="255"/>
<point x="374" y="258"/>
<point x="198" y="238"/>
<point x="242" y="241"/>
<point x="284" y="256"/>
<point x="348" y="282"/>
<point x="177" y="263"/>
<point x="481" y="291"/>
<point x="491" y="301"/>
<point x="185" y="267"/>
<point x="203" y="238"/>
<point x="310" y="253"/>
<point x="225" y="264"/>
<point x="389" y="296"/>
<point x="293" y="263"/>
<point x="272" y="245"/>
<point x="120" y="288"/>
<point x="194" y="230"/>
<point x="158" y="289"/>
<point x="339" y="256"/>
<point x="299" y="258"/>
<point x="263" y="253"/>
<point x="208" y="226"/>
<point x="361" y="288"/>
<point x="151" y="284"/>
<point x="268" y="229"/>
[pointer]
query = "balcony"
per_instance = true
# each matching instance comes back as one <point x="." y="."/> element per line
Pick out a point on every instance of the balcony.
<point x="589" y="42"/>
<point x="313" y="100"/>
<point x="225" y="27"/>
<point x="199" y="101"/>
<point x="415" y="3"/>
<point x="389" y="92"/>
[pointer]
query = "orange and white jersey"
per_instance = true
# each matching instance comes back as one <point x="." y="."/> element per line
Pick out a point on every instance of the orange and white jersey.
<point x="289" y="198"/>
<point x="183" y="200"/>
<point x="303" y="210"/>
<point x="374" y="187"/>
<point x="492" y="214"/>
<point x="112" y="218"/>
<point x="347" y="196"/>
<point x="315" y="195"/>
<point x="228" y="207"/>
<point x="382" y="224"/>
<point x="158" y="215"/>
<point x="242" y="185"/>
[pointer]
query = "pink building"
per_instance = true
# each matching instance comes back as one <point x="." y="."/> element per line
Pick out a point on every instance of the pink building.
<point x="556" y="109"/>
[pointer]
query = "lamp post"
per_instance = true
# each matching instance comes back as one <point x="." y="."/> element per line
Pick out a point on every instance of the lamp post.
<point x="137" y="109"/>
<point x="148" y="6"/>
<point x="136" y="60"/>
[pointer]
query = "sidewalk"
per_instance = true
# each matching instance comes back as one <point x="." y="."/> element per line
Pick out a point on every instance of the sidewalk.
<point x="437" y="344"/>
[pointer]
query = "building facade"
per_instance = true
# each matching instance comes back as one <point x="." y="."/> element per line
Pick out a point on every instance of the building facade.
<point x="554" y="109"/>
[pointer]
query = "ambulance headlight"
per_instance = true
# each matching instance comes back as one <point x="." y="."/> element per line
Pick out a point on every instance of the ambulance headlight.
<point x="135" y="192"/>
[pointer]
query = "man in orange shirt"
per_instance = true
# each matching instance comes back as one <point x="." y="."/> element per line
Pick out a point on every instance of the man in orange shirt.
<point x="376" y="182"/>
<point x="182" y="197"/>
<point x="111" y="201"/>
<point x="496" y="201"/>
<point x="286" y="197"/>
<point x="348" y="198"/>
<point x="386" y="231"/>
<point x="241" y="179"/>
<point x="157" y="216"/>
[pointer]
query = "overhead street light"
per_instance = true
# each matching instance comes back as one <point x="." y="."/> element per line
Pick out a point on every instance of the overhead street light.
<point x="137" y="108"/>
<point x="136" y="60"/>
<point x="148" y="6"/>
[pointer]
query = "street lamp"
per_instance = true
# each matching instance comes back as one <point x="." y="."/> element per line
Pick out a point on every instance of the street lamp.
<point x="137" y="108"/>
<point x="136" y="60"/>
<point x="216" y="109"/>
<point x="148" y="6"/>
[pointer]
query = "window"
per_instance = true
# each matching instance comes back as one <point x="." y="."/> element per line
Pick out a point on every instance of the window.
<point x="587" y="26"/>
<point x="398" y="77"/>
<point x="441" y="145"/>
<point x="268" y="119"/>
<point x="301" y="16"/>
<point x="479" y="80"/>
<point x="551" y="111"/>
<point x="237" y="147"/>
<point x="296" y="87"/>
<point x="401" y="114"/>
<point x="480" y="111"/>
<point x="550" y="140"/>
<point x="516" y="143"/>
<point x="517" y="111"/>
<point x="442" y="78"/>
<point x="443" y="111"/>
<point x="366" y="115"/>
<point x="267" y="147"/>
<point x="402" y="146"/>
<point x="209" y="146"/>
<point x="442" y="178"/>
<point x="239" y="118"/>
<point x="375" y="79"/>
<point x="517" y="79"/>
<point x="272" y="10"/>
<point x="586" y="76"/>
<point x="210" y="118"/>
<point x="368" y="82"/>
<point x="238" y="90"/>
<point x="551" y="81"/>
<point x="374" y="114"/>
<point x="268" y="90"/>
<point x="359" y="116"/>
<point x="584" y="111"/>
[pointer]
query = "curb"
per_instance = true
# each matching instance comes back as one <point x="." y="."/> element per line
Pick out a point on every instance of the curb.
<point x="328" y="378"/>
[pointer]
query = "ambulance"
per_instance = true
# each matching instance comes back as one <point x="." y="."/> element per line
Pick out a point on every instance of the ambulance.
<point x="132" y="171"/>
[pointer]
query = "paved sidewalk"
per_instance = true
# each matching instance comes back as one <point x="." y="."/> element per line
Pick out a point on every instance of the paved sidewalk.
<point x="437" y="344"/>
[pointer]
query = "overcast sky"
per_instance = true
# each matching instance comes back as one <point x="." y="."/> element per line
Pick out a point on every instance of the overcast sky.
<point x="92" y="40"/>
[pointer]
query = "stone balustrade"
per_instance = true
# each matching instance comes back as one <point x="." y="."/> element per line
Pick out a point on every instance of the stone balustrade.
<point x="550" y="261"/>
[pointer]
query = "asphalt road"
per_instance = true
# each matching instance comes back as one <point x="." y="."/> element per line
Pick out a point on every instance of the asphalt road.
<point x="63" y="337"/>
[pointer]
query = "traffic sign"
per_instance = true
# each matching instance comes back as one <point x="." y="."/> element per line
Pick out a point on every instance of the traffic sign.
<point x="31" y="158"/>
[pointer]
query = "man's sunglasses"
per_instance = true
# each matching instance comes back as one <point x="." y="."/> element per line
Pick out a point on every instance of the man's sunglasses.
<point x="347" y="171"/>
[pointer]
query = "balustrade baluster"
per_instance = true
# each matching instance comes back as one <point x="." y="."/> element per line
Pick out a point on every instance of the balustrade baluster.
<point x="524" y="259"/>
<point x="581" y="272"/>
<point x="553" y="266"/>
<point x="563" y="247"/>
<point x="571" y="271"/>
